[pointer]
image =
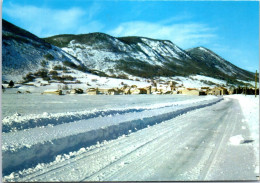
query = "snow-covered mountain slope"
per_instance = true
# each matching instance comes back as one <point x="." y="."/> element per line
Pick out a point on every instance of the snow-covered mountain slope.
<point x="24" y="52"/>
<point x="145" y="57"/>
<point x="137" y="56"/>
<point x="216" y="65"/>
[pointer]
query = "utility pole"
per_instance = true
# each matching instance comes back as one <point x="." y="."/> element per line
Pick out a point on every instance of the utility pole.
<point x="255" y="82"/>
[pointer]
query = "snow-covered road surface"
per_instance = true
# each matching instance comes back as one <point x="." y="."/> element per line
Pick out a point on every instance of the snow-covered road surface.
<point x="206" y="143"/>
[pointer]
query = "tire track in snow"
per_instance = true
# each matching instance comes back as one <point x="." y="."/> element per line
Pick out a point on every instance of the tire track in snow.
<point x="151" y="156"/>
<point x="160" y="136"/>
<point x="222" y="139"/>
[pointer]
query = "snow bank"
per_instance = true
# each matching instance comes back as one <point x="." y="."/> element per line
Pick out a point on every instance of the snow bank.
<point x="38" y="145"/>
<point x="250" y="108"/>
<point x="20" y="122"/>
<point x="236" y="140"/>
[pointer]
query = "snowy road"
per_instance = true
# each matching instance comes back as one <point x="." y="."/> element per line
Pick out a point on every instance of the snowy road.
<point x="210" y="143"/>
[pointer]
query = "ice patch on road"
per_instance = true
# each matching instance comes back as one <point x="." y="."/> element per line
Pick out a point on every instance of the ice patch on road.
<point x="236" y="140"/>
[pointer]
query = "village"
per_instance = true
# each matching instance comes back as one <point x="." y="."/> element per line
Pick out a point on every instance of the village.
<point x="157" y="90"/>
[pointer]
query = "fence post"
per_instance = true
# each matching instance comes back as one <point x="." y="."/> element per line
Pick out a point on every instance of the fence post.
<point x="255" y="82"/>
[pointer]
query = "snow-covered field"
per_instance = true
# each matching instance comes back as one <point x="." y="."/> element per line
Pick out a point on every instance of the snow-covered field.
<point x="90" y="137"/>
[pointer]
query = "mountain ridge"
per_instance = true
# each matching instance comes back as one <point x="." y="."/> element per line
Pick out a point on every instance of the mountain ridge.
<point x="110" y="56"/>
<point x="158" y="56"/>
<point x="207" y="54"/>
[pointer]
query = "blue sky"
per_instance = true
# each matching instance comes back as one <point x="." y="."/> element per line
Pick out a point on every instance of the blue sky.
<point x="231" y="29"/>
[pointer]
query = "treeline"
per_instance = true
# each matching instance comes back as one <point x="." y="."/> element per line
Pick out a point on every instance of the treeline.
<point x="245" y="90"/>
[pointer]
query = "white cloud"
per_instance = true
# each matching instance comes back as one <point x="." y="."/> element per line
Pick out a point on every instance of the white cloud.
<point x="47" y="22"/>
<point x="185" y="35"/>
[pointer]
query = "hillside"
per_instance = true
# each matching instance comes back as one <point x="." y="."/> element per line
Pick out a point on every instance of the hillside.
<point x="136" y="56"/>
<point x="216" y="65"/>
<point x="145" y="57"/>
<point x="23" y="52"/>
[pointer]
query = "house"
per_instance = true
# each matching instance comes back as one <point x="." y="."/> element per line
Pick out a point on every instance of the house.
<point x="156" y="93"/>
<point x="205" y="89"/>
<point x="125" y="90"/>
<point x="179" y="89"/>
<point x="174" y="92"/>
<point x="103" y="91"/>
<point x="153" y="89"/>
<point x="92" y="91"/>
<point x="135" y="91"/>
<point x="218" y="91"/>
<point x="168" y="92"/>
<point x="76" y="91"/>
<point x="146" y="90"/>
<point x="160" y="90"/>
<point x="56" y="92"/>
<point x="142" y="91"/>
<point x="167" y="89"/>
<point x="109" y="91"/>
<point x="193" y="91"/>
<point x="114" y="91"/>
<point x="149" y="91"/>
<point x="133" y="86"/>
